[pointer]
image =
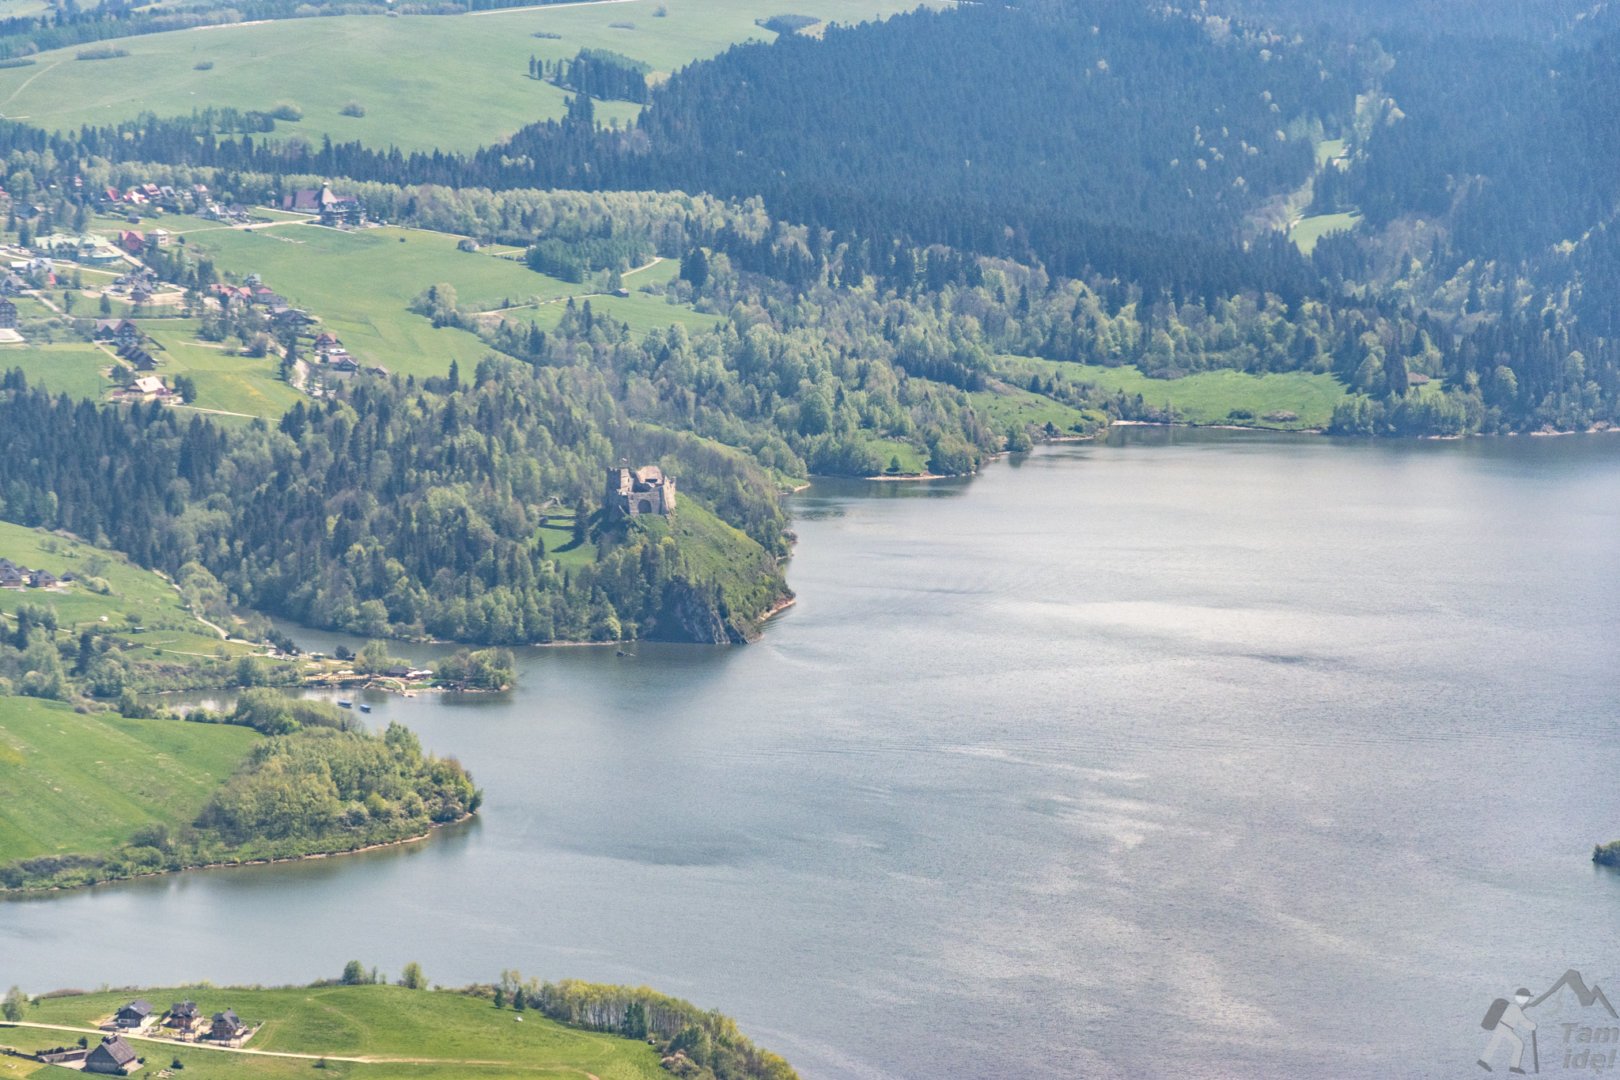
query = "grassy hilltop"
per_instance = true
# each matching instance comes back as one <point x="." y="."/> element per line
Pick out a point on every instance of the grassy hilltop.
<point x="515" y="1030"/>
<point x="459" y="1036"/>
<point x="424" y="82"/>
<point x="72" y="782"/>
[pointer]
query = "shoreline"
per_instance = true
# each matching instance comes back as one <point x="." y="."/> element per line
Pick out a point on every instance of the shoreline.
<point x="777" y="608"/>
<point x="23" y="893"/>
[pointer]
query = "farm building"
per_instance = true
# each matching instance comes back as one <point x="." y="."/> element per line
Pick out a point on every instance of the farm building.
<point x="114" y="1057"/>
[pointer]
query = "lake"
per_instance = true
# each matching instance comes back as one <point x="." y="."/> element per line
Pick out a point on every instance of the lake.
<point x="1192" y="754"/>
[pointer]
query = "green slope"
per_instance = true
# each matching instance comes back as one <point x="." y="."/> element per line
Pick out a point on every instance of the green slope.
<point x="73" y="783"/>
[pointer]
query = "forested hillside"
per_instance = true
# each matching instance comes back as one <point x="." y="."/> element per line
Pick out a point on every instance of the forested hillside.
<point x="889" y="222"/>
<point x="407" y="512"/>
<point x="1085" y="133"/>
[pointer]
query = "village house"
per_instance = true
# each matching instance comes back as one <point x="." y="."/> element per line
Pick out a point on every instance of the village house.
<point x="227" y="1027"/>
<point x="132" y="241"/>
<point x="114" y="1057"/>
<point x="137" y="1012"/>
<point x="8" y="314"/>
<point x="184" y="1016"/>
<point x="291" y="316"/>
<point x="646" y="490"/>
<point x="149" y="386"/>
<point x="334" y="209"/>
<point x="12" y="285"/>
<point x="15" y="576"/>
<point x="123" y="332"/>
<point x="138" y="358"/>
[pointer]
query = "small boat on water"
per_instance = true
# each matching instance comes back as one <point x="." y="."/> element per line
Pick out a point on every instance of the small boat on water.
<point x="365" y="708"/>
<point x="345" y="703"/>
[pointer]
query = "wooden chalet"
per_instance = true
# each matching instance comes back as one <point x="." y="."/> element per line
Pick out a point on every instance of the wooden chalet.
<point x="114" y="1057"/>
<point x="227" y="1027"/>
<point x="137" y="1012"/>
<point x="122" y="331"/>
<point x="184" y="1016"/>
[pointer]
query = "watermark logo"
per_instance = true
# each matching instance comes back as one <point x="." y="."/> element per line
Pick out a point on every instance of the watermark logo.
<point x="1589" y="1043"/>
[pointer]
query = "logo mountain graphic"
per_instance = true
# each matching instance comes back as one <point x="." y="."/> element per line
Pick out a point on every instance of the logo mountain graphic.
<point x="1587" y="996"/>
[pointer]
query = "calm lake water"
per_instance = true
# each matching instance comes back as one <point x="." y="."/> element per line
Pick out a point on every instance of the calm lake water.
<point x="1194" y="755"/>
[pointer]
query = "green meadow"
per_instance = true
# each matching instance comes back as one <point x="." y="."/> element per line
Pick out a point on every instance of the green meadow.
<point x="72" y="368"/>
<point x="1307" y="231"/>
<point x="134" y="597"/>
<point x="448" y="1034"/>
<point x="73" y="783"/>
<point x="1005" y="407"/>
<point x="362" y="282"/>
<point x="226" y="382"/>
<point x="424" y="81"/>
<point x="1208" y="397"/>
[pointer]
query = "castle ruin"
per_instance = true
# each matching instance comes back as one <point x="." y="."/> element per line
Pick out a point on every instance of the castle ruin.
<point x="634" y="492"/>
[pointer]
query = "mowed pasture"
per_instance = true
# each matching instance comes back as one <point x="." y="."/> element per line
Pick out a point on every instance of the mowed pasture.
<point x="64" y="367"/>
<point x="452" y="82"/>
<point x="361" y="283"/>
<point x="226" y="381"/>
<point x="448" y="1034"/>
<point x="134" y="597"/>
<point x="1307" y="231"/>
<point x="1207" y="397"/>
<point x="73" y="783"/>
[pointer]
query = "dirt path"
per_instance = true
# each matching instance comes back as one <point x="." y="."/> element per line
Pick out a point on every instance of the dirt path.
<point x="24" y="84"/>
<point x="215" y="412"/>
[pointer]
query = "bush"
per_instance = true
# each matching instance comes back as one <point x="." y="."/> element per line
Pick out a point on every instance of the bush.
<point x="203" y="65"/>
<point x="353" y="108"/>
<point x="286" y="110"/>
<point x="17" y="61"/>
<point x="102" y="53"/>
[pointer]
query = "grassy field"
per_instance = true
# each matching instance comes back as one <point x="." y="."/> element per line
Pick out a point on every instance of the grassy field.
<point x="912" y="459"/>
<point x="361" y="283"/>
<point x="72" y="368"/>
<point x="137" y="597"/>
<point x="1008" y="407"/>
<point x="82" y="783"/>
<point x="448" y="1030"/>
<point x="1210" y="396"/>
<point x="639" y="311"/>
<point x="225" y="381"/>
<point x="1327" y="150"/>
<point x="1307" y="231"/>
<point x="452" y="82"/>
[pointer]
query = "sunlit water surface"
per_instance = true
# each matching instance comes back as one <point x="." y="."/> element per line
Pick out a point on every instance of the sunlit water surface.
<point x="1199" y="755"/>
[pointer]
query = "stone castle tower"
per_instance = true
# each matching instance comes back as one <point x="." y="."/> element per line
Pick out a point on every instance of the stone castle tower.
<point x="646" y="490"/>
